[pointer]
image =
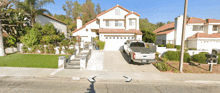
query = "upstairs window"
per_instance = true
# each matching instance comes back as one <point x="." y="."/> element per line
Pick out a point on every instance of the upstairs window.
<point x="117" y="23"/>
<point x="117" y="11"/>
<point x="131" y="22"/>
<point x="215" y="28"/>
<point x="198" y="28"/>
<point x="107" y="22"/>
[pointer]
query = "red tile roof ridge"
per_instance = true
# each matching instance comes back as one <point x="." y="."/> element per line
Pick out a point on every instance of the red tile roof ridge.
<point x="51" y="17"/>
<point x="165" y="27"/>
<point x="112" y="9"/>
<point x="84" y="25"/>
<point x="205" y="35"/>
<point x="132" y="13"/>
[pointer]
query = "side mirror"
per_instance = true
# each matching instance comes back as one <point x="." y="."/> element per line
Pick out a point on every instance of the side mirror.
<point x="125" y="43"/>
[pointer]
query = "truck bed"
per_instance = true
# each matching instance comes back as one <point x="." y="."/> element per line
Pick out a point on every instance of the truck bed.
<point x="142" y="50"/>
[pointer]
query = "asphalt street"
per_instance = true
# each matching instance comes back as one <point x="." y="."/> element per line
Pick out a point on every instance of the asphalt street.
<point x="66" y="85"/>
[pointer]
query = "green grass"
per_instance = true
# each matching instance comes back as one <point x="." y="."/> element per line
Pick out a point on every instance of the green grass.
<point x="30" y="60"/>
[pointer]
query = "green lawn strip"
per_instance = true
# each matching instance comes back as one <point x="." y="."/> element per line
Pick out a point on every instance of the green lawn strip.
<point x="30" y="60"/>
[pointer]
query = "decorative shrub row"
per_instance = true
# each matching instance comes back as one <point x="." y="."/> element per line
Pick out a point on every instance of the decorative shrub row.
<point x="170" y="45"/>
<point x="200" y="58"/>
<point x="175" y="56"/>
<point x="160" y="45"/>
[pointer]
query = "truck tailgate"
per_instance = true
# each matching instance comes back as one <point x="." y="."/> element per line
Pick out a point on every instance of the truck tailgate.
<point x="145" y="56"/>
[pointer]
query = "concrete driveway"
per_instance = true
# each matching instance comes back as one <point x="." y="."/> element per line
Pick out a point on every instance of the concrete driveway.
<point x="118" y="61"/>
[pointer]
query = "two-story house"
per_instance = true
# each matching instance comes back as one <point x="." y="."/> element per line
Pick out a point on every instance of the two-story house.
<point x="200" y="33"/>
<point x="113" y="26"/>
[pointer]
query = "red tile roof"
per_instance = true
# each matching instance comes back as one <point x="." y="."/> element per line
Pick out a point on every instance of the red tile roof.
<point x="112" y="9"/>
<point x="131" y="31"/>
<point x="51" y="17"/>
<point x="165" y="29"/>
<point x="195" y="20"/>
<point x="133" y="13"/>
<point x="213" y="21"/>
<point x="84" y="25"/>
<point x="205" y="35"/>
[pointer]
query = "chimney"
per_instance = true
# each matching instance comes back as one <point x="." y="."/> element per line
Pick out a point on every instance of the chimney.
<point x="178" y="30"/>
<point x="79" y="22"/>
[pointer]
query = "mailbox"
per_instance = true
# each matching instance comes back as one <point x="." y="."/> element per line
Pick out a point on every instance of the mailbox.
<point x="211" y="58"/>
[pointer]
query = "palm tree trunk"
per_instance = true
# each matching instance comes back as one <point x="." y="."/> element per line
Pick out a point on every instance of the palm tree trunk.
<point x="2" y="49"/>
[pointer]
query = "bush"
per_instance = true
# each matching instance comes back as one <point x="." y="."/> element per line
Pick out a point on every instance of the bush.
<point x="200" y="58"/>
<point x="192" y="48"/>
<point x="160" y="45"/>
<point x="162" y="66"/>
<point x="47" y="49"/>
<point x="101" y="44"/>
<point x="170" y="45"/>
<point x="65" y="42"/>
<point x="41" y="48"/>
<point x="51" y="49"/>
<point x="33" y="49"/>
<point x="24" y="49"/>
<point x="175" y="56"/>
<point x="178" y="47"/>
<point x="218" y="57"/>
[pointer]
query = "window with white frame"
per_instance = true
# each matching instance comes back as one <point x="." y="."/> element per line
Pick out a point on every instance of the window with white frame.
<point x="198" y="28"/>
<point x="215" y="28"/>
<point x="131" y="22"/>
<point x="118" y="23"/>
<point x="107" y="22"/>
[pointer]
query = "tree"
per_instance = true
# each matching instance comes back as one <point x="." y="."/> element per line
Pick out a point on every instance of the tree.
<point x="160" y="24"/>
<point x="31" y="38"/>
<point x="88" y="11"/>
<point x="34" y="8"/>
<point x="148" y="36"/>
<point x="145" y="24"/>
<point x="77" y="9"/>
<point x="98" y="9"/>
<point x="68" y="8"/>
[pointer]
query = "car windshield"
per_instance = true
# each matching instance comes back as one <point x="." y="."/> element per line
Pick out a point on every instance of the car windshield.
<point x="137" y="44"/>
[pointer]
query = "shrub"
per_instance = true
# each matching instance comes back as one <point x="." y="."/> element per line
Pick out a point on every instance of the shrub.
<point x="218" y="57"/>
<point x="41" y="48"/>
<point x="178" y="47"/>
<point x="200" y="58"/>
<point x="192" y="48"/>
<point x="25" y="49"/>
<point x="65" y="42"/>
<point x="47" y="49"/>
<point x="175" y="56"/>
<point x="101" y="44"/>
<point x="33" y="49"/>
<point x="70" y="51"/>
<point x="162" y="66"/>
<point x="157" y="54"/>
<point x="160" y="45"/>
<point x="170" y="45"/>
<point x="51" y="49"/>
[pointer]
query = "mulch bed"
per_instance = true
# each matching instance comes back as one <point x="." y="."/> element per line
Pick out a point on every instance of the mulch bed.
<point x="195" y="67"/>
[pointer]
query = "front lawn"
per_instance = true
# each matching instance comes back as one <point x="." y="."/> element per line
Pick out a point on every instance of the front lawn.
<point x="30" y="60"/>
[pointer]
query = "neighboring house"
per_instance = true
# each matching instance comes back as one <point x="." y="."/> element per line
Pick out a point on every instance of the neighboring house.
<point x="200" y="33"/>
<point x="113" y="26"/>
<point x="59" y="25"/>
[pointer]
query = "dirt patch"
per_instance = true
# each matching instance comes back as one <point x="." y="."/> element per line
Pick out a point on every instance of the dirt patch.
<point x="195" y="67"/>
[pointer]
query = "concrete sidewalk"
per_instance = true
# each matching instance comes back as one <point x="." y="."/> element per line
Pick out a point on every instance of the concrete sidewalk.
<point x="109" y="75"/>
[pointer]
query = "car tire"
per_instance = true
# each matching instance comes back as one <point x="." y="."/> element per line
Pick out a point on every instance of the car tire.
<point x="123" y="51"/>
<point x="130" y="60"/>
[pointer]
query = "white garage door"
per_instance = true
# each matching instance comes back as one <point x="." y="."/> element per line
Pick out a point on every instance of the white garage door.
<point x="115" y="43"/>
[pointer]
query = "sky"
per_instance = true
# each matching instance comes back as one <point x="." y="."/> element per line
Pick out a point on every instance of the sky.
<point x="154" y="10"/>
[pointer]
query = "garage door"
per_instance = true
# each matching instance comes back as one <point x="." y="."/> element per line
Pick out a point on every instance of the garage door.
<point x="116" y="42"/>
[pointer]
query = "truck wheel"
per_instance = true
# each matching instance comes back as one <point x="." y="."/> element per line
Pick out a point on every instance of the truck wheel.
<point x="130" y="60"/>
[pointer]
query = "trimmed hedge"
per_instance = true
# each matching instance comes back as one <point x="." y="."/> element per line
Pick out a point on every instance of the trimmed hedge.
<point x="175" y="56"/>
<point x="200" y="58"/>
<point x="178" y="47"/>
<point x="170" y="45"/>
<point x="160" y="45"/>
<point x="218" y="57"/>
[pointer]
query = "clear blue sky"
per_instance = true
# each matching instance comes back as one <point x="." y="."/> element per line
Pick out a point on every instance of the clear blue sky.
<point x="154" y="10"/>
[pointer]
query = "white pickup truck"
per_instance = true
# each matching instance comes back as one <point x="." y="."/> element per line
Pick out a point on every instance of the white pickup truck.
<point x="137" y="52"/>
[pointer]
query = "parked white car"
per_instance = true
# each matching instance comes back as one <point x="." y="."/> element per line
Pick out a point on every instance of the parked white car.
<point x="137" y="52"/>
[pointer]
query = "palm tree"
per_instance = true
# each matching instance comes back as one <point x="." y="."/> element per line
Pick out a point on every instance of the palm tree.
<point x="34" y="8"/>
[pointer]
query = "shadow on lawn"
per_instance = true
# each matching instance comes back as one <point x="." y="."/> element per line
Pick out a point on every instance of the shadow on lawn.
<point x="193" y="64"/>
<point x="11" y="53"/>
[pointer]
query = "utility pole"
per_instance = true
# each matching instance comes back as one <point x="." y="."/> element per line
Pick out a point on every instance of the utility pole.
<point x="183" y="37"/>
